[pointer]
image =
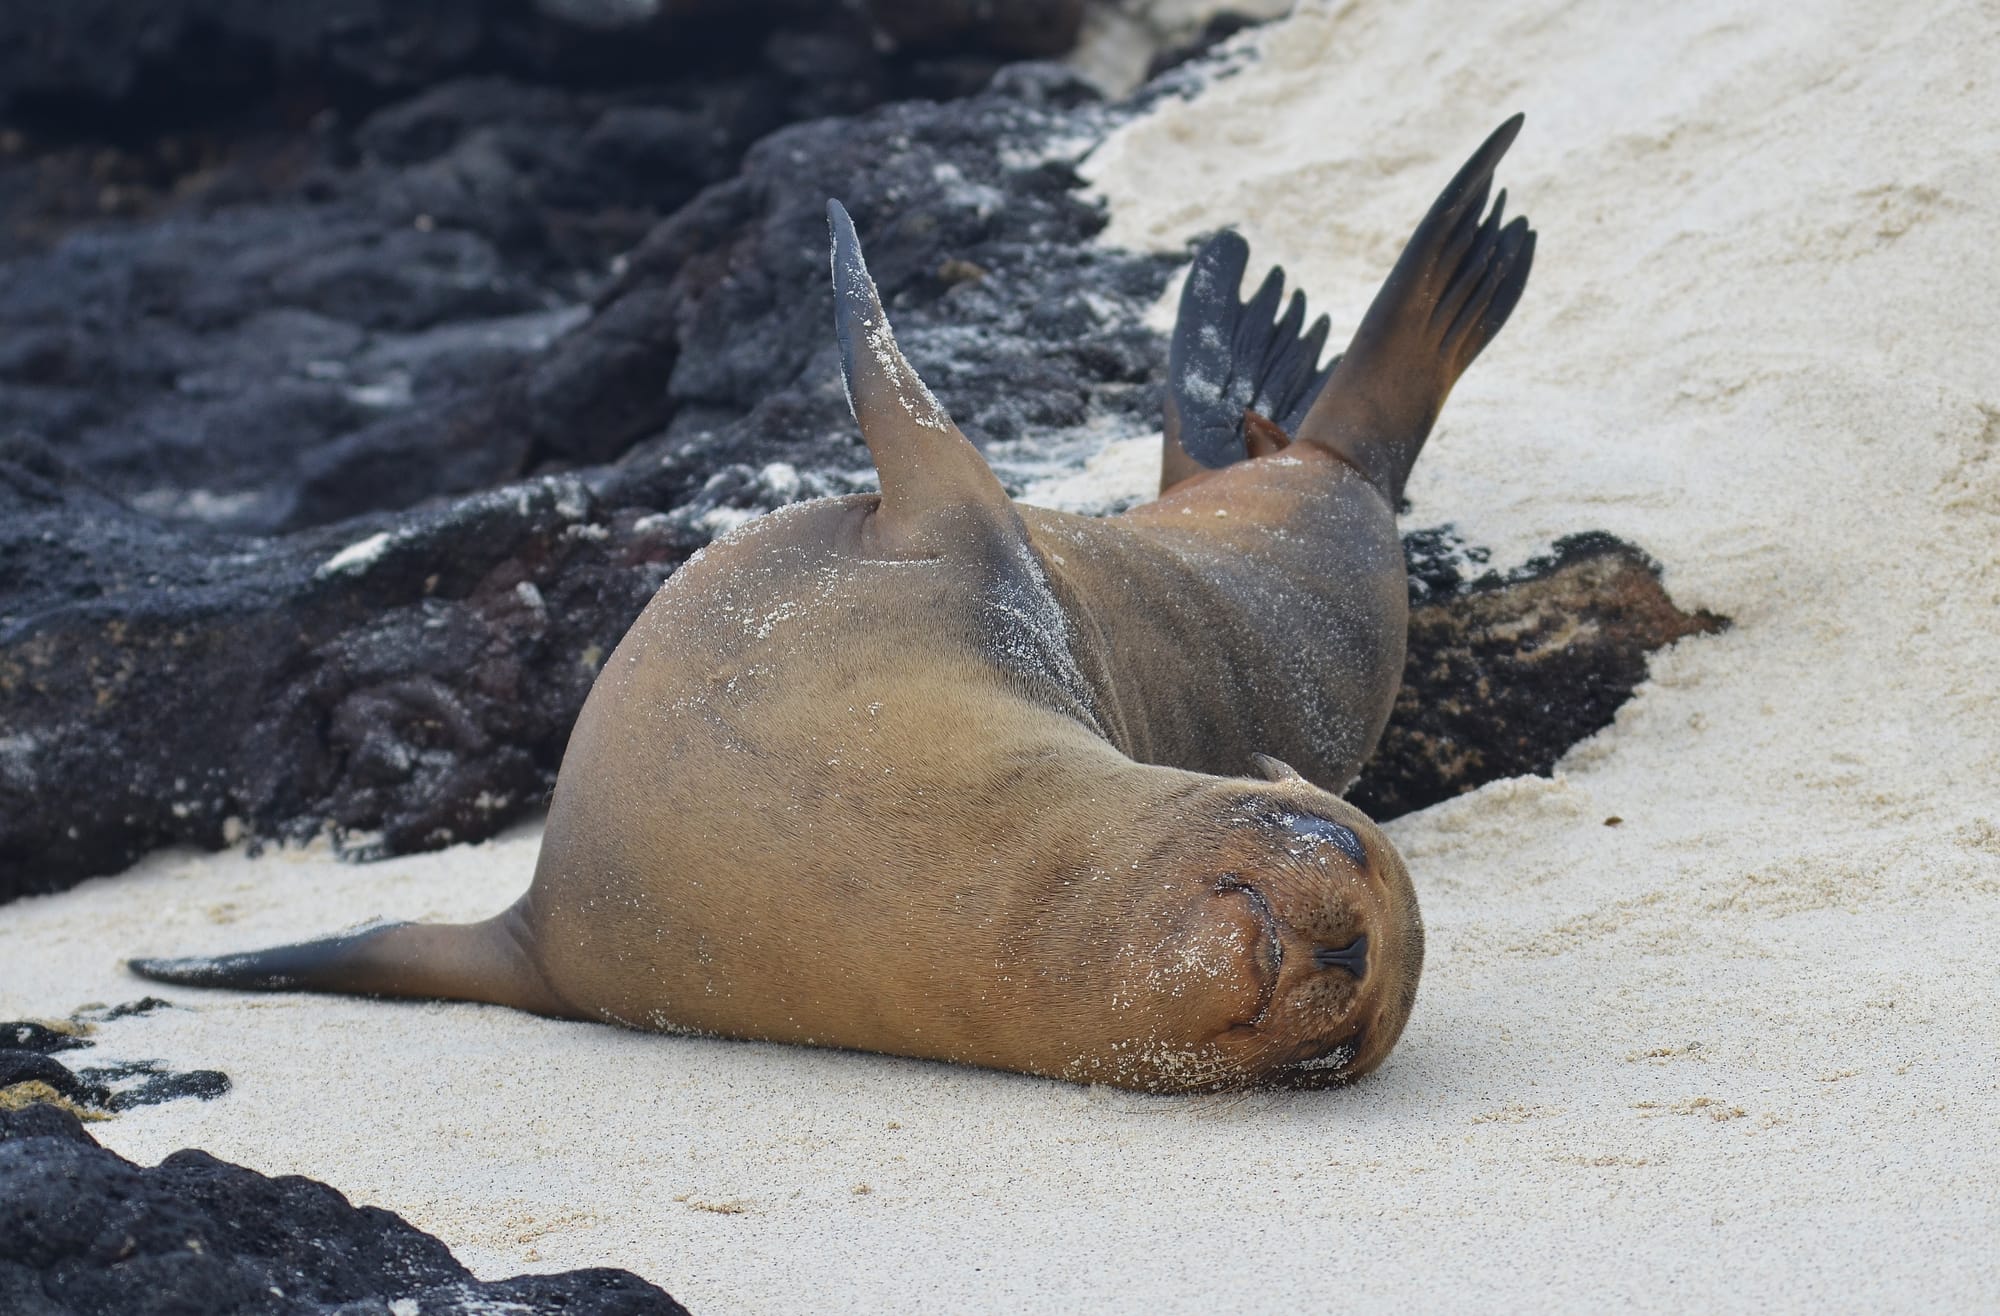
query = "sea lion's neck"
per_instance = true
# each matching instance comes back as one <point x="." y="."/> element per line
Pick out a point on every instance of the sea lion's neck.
<point x="1183" y="626"/>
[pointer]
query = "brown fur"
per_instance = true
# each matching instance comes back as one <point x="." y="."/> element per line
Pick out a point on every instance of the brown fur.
<point x="932" y="774"/>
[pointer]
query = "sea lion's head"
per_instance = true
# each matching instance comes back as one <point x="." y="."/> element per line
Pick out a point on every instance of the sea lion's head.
<point x="1292" y="942"/>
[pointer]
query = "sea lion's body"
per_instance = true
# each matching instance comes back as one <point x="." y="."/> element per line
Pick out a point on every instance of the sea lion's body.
<point x="929" y="756"/>
<point x="931" y="774"/>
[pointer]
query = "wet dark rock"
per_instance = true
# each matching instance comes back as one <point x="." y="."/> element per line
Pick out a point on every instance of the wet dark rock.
<point x="122" y="70"/>
<point x="1021" y="27"/>
<point x="1505" y="674"/>
<point x="327" y="313"/>
<point x="413" y="678"/>
<point x="150" y="1082"/>
<point x="99" y="1014"/>
<point x="27" y="1057"/>
<point x="936" y="191"/>
<point x="329" y="480"/>
<point x="114" y="68"/>
<point x="85" y="1232"/>
<point x="26" y="1035"/>
<point x="1214" y="30"/>
<point x="226" y="364"/>
<point x="17" y="1067"/>
<point x="429" y="301"/>
<point x="409" y="680"/>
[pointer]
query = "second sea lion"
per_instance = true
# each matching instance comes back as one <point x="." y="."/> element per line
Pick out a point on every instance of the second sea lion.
<point x="933" y="774"/>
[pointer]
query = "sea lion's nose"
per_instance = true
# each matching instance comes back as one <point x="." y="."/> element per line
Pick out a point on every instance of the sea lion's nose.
<point x="1352" y="957"/>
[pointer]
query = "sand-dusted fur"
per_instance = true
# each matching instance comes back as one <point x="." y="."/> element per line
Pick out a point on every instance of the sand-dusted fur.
<point x="932" y="774"/>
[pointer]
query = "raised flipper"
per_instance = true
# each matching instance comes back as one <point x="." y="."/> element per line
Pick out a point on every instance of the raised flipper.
<point x="1453" y="287"/>
<point x="932" y="477"/>
<point x="1238" y="382"/>
<point x="486" y="961"/>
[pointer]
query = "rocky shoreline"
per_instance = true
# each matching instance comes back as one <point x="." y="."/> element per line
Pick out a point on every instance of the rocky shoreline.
<point x="320" y="504"/>
<point x="84" y="1232"/>
<point x="351" y="410"/>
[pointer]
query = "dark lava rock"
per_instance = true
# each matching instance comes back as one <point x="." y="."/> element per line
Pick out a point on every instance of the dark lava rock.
<point x="84" y="1232"/>
<point x="1025" y="27"/>
<point x="410" y="680"/>
<point x="227" y="362"/>
<point x="413" y="676"/>
<point x="27" y="1056"/>
<point x="1505" y="674"/>
<point x="17" y="1067"/>
<point x="981" y="243"/>
<point x="26" y="1035"/>
<point x="328" y="483"/>
<point x="124" y="69"/>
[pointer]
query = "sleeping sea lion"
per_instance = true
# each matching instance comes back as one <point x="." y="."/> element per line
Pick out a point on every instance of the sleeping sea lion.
<point x="933" y="774"/>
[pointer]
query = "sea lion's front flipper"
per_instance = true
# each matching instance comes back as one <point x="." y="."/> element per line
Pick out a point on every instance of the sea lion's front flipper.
<point x="1453" y="287"/>
<point x="487" y="961"/>
<point x="1233" y="373"/>
<point x="931" y="474"/>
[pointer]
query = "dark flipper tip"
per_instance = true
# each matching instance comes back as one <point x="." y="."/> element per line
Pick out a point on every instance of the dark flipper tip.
<point x="845" y="259"/>
<point x="850" y="271"/>
<point x="204" y="971"/>
<point x="922" y="461"/>
<point x="1459" y="276"/>
<point x="301" y="965"/>
<point x="1487" y="158"/>
<point x="854" y="296"/>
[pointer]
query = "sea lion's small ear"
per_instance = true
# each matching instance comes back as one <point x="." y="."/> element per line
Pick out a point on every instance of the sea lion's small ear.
<point x="1271" y="769"/>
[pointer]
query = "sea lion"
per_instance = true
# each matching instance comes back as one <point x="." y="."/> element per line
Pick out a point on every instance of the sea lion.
<point x="933" y="774"/>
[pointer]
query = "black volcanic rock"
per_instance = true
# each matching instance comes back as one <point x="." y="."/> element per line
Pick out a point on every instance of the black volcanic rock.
<point x="327" y="485"/>
<point x="27" y="1056"/>
<point x="209" y="364"/>
<point x="84" y="1232"/>
<point x="1504" y="674"/>
<point x="160" y="683"/>
<point x="409" y="680"/>
<point x="121" y="68"/>
<point x="980" y="240"/>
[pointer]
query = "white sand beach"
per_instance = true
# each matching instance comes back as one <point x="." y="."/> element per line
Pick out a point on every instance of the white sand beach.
<point x="1739" y="1051"/>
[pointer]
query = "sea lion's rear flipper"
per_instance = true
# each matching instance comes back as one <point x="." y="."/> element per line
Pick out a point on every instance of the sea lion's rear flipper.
<point x="1238" y="380"/>
<point x="931" y="475"/>
<point x="1454" y="286"/>
<point x="486" y="961"/>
